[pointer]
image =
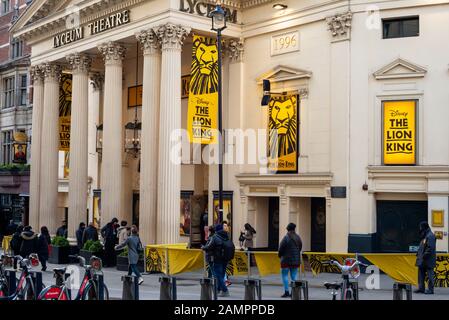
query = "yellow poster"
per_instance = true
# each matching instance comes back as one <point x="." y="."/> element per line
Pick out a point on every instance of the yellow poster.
<point x="227" y="213"/>
<point x="65" y="108"/>
<point x="203" y="93"/>
<point x="399" y="133"/>
<point x="283" y="134"/>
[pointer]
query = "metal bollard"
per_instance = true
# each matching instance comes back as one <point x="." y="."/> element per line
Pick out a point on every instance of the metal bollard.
<point x="37" y="282"/>
<point x="99" y="278"/>
<point x="355" y="289"/>
<point x="208" y="289"/>
<point x="130" y="288"/>
<point x="398" y="291"/>
<point x="11" y="278"/>
<point x="168" y="288"/>
<point x="253" y="289"/>
<point x="300" y="290"/>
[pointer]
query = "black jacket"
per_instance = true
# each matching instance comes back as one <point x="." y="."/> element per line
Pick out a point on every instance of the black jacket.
<point x="214" y="245"/>
<point x="90" y="233"/>
<point x="42" y="247"/>
<point x="109" y="233"/>
<point x="427" y="253"/>
<point x="290" y="250"/>
<point x="29" y="243"/>
<point x="16" y="242"/>
<point x="62" y="231"/>
<point x="79" y="237"/>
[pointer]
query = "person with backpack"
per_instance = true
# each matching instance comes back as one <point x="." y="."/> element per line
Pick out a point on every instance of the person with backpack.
<point x="290" y="254"/>
<point x="221" y="249"/>
<point x="30" y="242"/>
<point x="134" y="249"/>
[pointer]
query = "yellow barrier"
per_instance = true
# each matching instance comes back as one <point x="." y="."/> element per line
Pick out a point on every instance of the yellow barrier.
<point x="5" y="244"/>
<point x="317" y="259"/>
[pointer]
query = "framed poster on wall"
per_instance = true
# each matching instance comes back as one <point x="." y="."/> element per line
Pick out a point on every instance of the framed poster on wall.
<point x="186" y="213"/>
<point x="227" y="209"/>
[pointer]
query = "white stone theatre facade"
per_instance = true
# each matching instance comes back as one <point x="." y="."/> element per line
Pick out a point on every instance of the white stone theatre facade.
<point x="362" y="102"/>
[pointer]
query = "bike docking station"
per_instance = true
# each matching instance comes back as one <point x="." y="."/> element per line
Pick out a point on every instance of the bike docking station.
<point x="253" y="286"/>
<point x="10" y="276"/>
<point x="37" y="281"/>
<point x="300" y="288"/>
<point x="399" y="289"/>
<point x="168" y="288"/>
<point x="130" y="288"/>
<point x="99" y="279"/>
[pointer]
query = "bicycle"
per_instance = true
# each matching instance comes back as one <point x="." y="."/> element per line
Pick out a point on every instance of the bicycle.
<point x="349" y="269"/>
<point x="5" y="261"/>
<point x="25" y="289"/>
<point x="89" y="287"/>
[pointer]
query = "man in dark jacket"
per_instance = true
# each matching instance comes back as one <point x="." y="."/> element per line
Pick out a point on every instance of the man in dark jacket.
<point x="62" y="230"/>
<point x="290" y="254"/>
<point x="42" y="247"/>
<point x="12" y="228"/>
<point x="90" y="233"/>
<point x="214" y="250"/>
<point x="109" y="234"/>
<point x="29" y="242"/>
<point x="79" y="235"/>
<point x="426" y="258"/>
<point x="16" y="241"/>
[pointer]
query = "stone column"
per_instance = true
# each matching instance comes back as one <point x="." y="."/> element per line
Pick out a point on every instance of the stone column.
<point x="169" y="172"/>
<point x="95" y="90"/>
<point x="80" y="64"/>
<point x="38" y="110"/>
<point x="149" y="135"/>
<point x="111" y="172"/>
<point x="50" y="149"/>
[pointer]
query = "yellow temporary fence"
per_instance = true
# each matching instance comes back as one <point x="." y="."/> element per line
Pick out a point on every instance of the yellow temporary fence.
<point x="177" y="258"/>
<point x="5" y="243"/>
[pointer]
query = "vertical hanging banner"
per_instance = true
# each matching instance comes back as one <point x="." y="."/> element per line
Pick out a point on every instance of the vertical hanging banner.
<point x="65" y="108"/>
<point x="399" y="133"/>
<point x="283" y="134"/>
<point x="203" y="95"/>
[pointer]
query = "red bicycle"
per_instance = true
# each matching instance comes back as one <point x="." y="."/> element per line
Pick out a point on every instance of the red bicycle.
<point x="89" y="289"/>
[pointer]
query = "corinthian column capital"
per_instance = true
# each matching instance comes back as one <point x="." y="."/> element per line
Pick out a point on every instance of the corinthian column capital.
<point x="172" y="36"/>
<point x="236" y="49"/>
<point x="113" y="53"/>
<point x="149" y="41"/>
<point x="36" y="73"/>
<point x="97" y="80"/>
<point x="79" y="62"/>
<point x="51" y="72"/>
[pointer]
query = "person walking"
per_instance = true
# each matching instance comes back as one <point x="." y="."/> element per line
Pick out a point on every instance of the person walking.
<point x="29" y="242"/>
<point x="79" y="235"/>
<point x="248" y="236"/>
<point x="426" y="258"/>
<point x="134" y="249"/>
<point x="290" y="254"/>
<point x="209" y="255"/>
<point x="16" y="241"/>
<point x="62" y="230"/>
<point x="109" y="234"/>
<point x="90" y="233"/>
<point x="221" y="249"/>
<point x="42" y="247"/>
<point x="123" y="232"/>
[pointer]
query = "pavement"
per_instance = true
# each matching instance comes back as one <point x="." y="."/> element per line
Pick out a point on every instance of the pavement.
<point x="189" y="287"/>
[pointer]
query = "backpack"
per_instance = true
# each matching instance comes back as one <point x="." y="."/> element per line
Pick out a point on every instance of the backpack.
<point x="227" y="250"/>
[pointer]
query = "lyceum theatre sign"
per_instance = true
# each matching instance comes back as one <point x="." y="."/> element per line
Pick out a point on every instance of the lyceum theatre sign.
<point x="203" y="9"/>
<point x="100" y="25"/>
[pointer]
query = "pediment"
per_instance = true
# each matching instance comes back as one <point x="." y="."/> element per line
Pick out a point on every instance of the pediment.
<point x="400" y="69"/>
<point x="283" y="73"/>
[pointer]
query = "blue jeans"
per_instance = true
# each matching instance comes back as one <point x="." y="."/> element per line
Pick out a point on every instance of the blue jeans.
<point x="133" y="268"/>
<point x="219" y="274"/>
<point x="293" y="274"/>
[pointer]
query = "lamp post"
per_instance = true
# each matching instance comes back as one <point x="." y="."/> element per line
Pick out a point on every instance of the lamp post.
<point x="219" y="24"/>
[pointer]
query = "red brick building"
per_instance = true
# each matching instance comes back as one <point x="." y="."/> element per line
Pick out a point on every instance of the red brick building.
<point x="15" y="117"/>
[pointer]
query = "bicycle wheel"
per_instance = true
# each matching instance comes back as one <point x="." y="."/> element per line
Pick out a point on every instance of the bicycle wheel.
<point x="27" y="293"/>
<point x="90" y="293"/>
<point x="4" y="289"/>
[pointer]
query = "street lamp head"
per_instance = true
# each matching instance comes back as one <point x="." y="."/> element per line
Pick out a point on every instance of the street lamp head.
<point x="218" y="19"/>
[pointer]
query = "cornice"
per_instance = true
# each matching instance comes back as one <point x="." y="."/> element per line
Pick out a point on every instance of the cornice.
<point x="285" y="179"/>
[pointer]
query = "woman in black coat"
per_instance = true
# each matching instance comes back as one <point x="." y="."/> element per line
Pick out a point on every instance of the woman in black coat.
<point x="42" y="247"/>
